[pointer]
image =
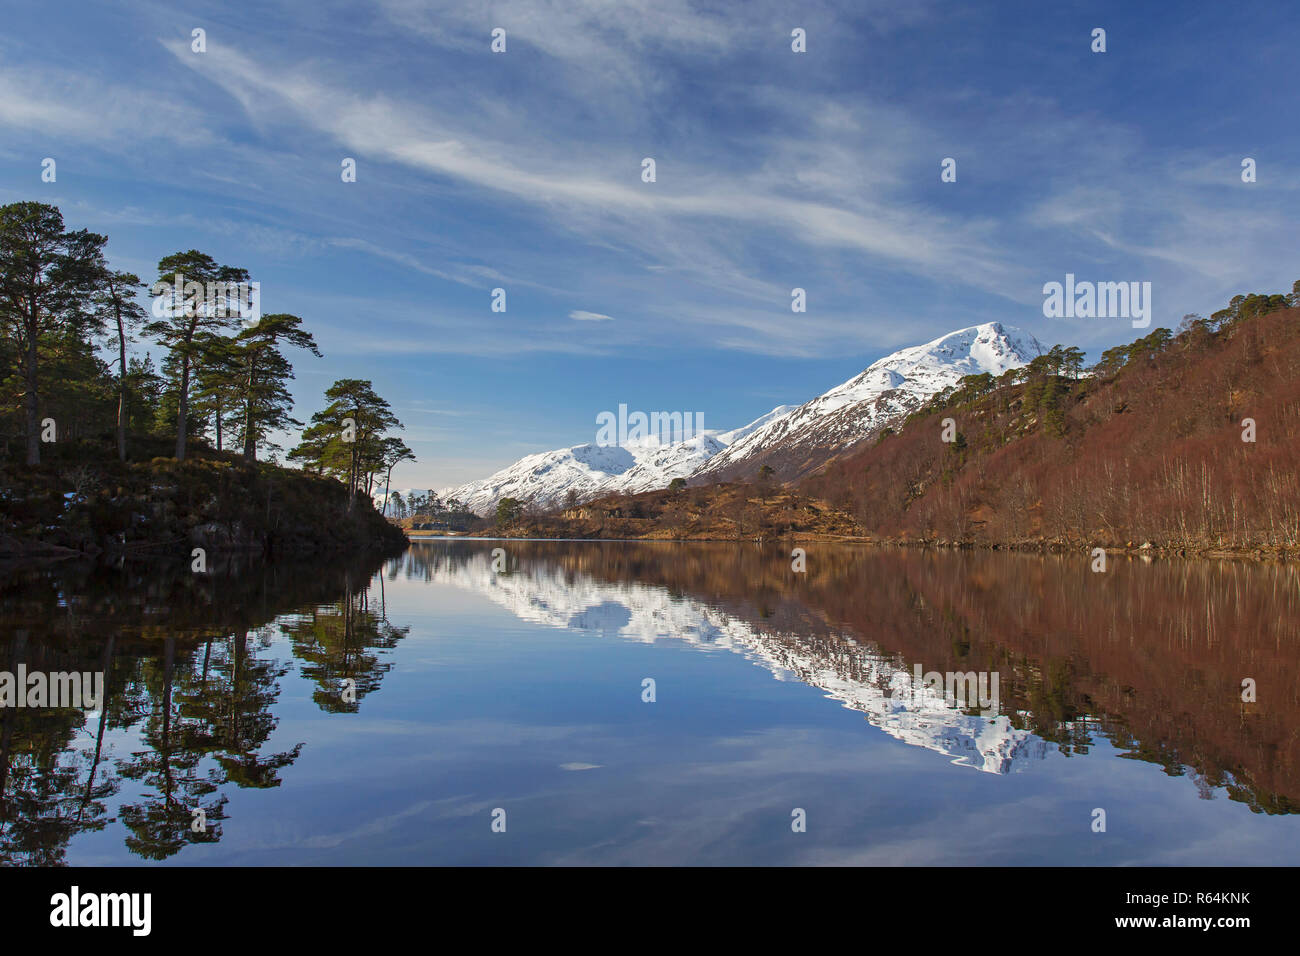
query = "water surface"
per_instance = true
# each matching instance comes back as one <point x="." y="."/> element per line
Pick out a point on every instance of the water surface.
<point x="341" y="714"/>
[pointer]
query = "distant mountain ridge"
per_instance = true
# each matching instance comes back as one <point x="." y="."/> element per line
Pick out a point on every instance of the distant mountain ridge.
<point x="591" y="470"/>
<point x="792" y="440"/>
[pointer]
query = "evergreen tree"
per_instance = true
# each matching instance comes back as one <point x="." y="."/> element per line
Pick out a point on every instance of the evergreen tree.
<point x="47" y="277"/>
<point x="345" y="438"/>
<point x="264" y="372"/>
<point x="217" y="376"/>
<point x="117" y="299"/>
<point x="394" y="452"/>
<point x="206" y="304"/>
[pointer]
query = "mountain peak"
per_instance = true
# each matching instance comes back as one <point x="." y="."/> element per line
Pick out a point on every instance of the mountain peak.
<point x="799" y="442"/>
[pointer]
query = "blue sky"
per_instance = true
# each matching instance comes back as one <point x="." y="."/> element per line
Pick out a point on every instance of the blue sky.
<point x="775" y="170"/>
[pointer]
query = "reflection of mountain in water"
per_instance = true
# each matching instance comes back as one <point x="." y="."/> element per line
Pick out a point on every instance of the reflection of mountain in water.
<point x="858" y="675"/>
<point x="1149" y="656"/>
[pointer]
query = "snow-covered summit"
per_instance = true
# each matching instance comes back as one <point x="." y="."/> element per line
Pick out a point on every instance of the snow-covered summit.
<point x="885" y="393"/>
<point x="643" y="463"/>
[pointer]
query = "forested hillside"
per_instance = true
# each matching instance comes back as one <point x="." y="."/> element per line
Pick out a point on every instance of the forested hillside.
<point x="1180" y="441"/>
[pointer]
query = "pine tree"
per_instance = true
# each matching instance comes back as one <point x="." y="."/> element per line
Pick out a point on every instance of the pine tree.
<point x="47" y="277"/>
<point x="345" y="438"/>
<point x="207" y="304"/>
<point x="117" y="299"/>
<point x="264" y="372"/>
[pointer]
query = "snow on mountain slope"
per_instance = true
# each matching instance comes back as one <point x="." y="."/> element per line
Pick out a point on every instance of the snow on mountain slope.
<point x="797" y="443"/>
<point x="659" y="465"/>
<point x="736" y="434"/>
<point x="591" y="470"/>
<point x="544" y="478"/>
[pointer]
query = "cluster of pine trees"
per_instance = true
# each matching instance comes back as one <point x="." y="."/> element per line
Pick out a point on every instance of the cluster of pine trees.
<point x="71" y="372"/>
<point x="417" y="503"/>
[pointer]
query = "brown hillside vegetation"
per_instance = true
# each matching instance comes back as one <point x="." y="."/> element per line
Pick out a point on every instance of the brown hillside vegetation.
<point x="751" y="512"/>
<point x="1148" y="447"/>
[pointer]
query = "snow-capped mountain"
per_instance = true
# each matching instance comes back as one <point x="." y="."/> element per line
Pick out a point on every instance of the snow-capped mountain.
<point x="591" y="470"/>
<point x="801" y="441"/>
<point x="546" y="478"/>
<point x="793" y="440"/>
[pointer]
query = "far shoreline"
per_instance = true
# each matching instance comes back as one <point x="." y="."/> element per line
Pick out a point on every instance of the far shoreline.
<point x="1044" y="548"/>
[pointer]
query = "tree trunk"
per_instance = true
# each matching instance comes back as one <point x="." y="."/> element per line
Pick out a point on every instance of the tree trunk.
<point x="184" y="405"/>
<point x="121" y="382"/>
<point x="165" y="750"/>
<point x="103" y="722"/>
<point x="31" y="400"/>
<point x="388" y="483"/>
<point x="8" y="718"/>
<point x="250" y="440"/>
<point x="353" y="476"/>
<point x="32" y="320"/>
<point x="121" y="369"/>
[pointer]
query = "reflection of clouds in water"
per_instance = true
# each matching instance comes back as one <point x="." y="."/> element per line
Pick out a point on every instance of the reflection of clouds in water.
<point x="855" y="674"/>
<point x="371" y="828"/>
<point x="608" y="617"/>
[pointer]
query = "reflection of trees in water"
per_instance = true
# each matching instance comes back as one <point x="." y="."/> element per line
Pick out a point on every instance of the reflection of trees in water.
<point x="48" y="792"/>
<point x="185" y="670"/>
<point x="336" y="646"/>
<point x="1148" y="656"/>
<point x="160" y="821"/>
<point x="212" y="708"/>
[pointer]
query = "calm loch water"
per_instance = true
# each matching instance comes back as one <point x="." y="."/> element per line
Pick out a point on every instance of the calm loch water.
<point x="354" y="714"/>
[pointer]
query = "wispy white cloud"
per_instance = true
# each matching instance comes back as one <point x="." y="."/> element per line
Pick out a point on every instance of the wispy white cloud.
<point x="620" y="208"/>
